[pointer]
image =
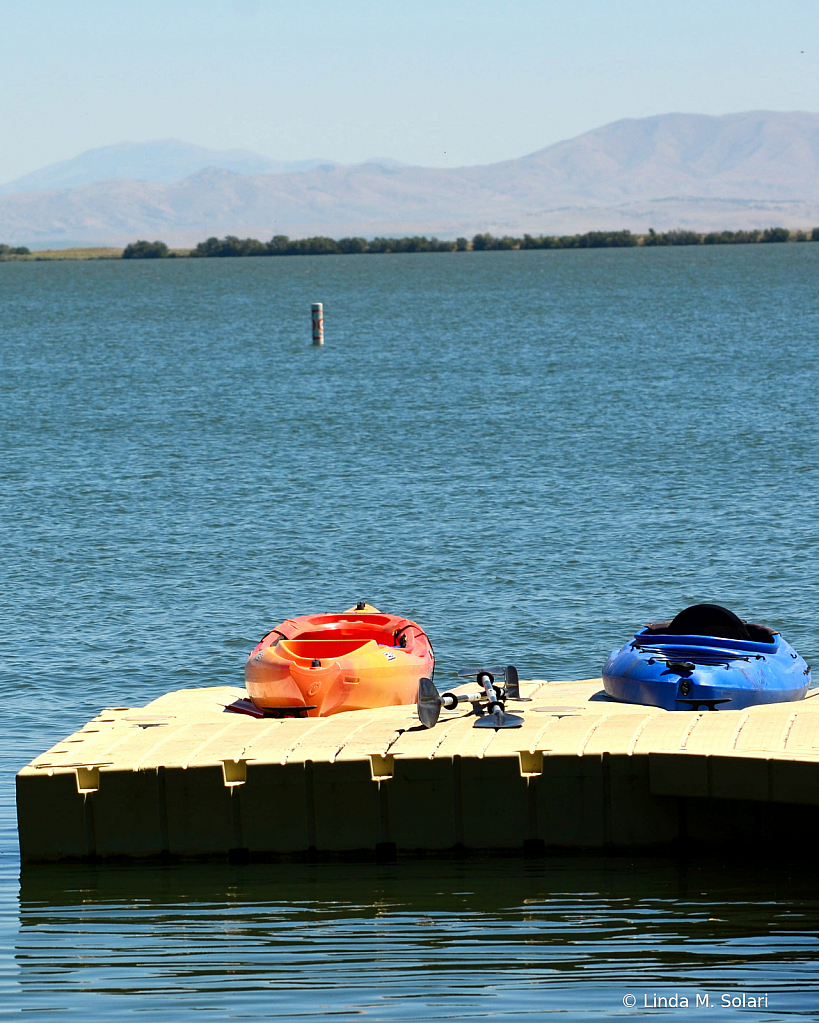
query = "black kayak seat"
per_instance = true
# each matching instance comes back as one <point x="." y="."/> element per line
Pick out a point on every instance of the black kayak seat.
<point x="708" y="620"/>
<point x="712" y="620"/>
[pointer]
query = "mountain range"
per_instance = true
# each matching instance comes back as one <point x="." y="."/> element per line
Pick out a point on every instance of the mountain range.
<point x="166" y="161"/>
<point x="746" y="170"/>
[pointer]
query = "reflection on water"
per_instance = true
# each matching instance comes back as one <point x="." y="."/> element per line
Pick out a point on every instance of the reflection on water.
<point x="415" y="941"/>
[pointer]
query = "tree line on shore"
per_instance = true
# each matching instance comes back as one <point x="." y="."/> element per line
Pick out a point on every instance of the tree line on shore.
<point x="281" y="245"/>
<point x="12" y="250"/>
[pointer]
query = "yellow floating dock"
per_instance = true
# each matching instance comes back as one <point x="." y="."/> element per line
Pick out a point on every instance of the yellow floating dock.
<point x="185" y="777"/>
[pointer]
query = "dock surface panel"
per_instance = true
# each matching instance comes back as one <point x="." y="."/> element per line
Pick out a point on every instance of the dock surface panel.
<point x="186" y="777"/>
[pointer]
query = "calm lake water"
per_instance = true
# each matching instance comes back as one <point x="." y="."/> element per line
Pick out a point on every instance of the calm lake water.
<point x="531" y="454"/>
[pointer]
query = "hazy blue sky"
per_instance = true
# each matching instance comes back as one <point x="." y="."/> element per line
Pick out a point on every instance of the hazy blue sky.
<point x="434" y="82"/>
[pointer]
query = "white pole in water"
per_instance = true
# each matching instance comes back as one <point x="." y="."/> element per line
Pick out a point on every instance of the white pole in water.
<point x="318" y="323"/>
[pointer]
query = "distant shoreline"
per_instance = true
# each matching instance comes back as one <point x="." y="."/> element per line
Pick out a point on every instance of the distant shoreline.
<point x="281" y="245"/>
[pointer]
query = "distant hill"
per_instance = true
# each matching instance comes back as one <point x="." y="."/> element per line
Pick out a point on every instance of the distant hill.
<point x="694" y="171"/>
<point x="165" y="160"/>
<point x="755" y="155"/>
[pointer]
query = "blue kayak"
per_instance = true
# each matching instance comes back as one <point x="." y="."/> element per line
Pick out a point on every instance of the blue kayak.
<point x="706" y="659"/>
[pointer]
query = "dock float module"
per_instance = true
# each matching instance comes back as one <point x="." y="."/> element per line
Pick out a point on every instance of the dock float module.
<point x="185" y="777"/>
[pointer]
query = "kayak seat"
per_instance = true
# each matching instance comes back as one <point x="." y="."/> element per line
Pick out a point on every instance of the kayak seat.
<point x="756" y="633"/>
<point x="360" y="632"/>
<point x="322" y="648"/>
<point x="706" y="620"/>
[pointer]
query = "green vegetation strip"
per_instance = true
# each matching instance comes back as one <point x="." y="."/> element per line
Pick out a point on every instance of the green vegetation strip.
<point x="281" y="245"/>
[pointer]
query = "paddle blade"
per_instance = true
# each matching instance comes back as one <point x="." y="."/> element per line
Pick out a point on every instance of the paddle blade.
<point x="429" y="703"/>
<point x="499" y="719"/>
<point x="510" y="677"/>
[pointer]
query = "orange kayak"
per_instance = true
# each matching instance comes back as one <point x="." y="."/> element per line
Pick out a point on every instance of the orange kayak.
<point x="318" y="665"/>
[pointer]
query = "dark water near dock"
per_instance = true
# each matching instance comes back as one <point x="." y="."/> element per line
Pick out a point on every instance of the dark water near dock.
<point x="418" y="941"/>
<point x="531" y="453"/>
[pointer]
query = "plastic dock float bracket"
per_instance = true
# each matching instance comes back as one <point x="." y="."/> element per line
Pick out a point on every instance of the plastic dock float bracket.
<point x="531" y="763"/>
<point x="88" y="779"/>
<point x="382" y="766"/>
<point x="234" y="772"/>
